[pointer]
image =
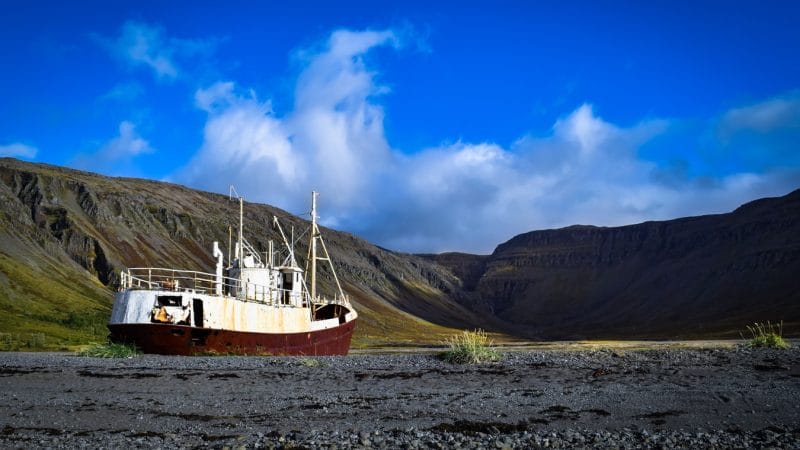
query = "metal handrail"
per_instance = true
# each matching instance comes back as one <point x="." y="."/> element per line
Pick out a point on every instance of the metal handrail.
<point x="203" y="282"/>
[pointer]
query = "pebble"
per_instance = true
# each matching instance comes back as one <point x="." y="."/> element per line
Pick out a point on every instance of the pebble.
<point x="407" y="437"/>
<point x="623" y="439"/>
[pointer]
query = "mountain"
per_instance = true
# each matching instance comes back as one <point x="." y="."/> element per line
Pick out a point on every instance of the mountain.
<point x="66" y="234"/>
<point x="705" y="276"/>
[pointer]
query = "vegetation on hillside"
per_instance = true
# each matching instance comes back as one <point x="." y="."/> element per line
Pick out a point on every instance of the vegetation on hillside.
<point x="49" y="307"/>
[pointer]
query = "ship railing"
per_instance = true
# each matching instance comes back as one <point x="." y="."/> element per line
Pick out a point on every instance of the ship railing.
<point x="337" y="300"/>
<point x="158" y="278"/>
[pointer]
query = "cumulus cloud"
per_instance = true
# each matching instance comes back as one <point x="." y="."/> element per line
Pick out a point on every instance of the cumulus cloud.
<point x="332" y="140"/>
<point x="18" y="150"/>
<point x="473" y="196"/>
<point x="336" y="123"/>
<point x="116" y="156"/>
<point x="141" y="44"/>
<point x="462" y="196"/>
<point x="127" y="144"/>
<point x="244" y="144"/>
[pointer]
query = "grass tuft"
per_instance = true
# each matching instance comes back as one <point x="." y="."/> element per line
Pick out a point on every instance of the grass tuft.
<point x="470" y="347"/>
<point x="312" y="362"/>
<point x="110" y="350"/>
<point x="767" y="335"/>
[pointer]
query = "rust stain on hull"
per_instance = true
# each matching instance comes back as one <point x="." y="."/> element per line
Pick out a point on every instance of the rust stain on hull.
<point x="167" y="339"/>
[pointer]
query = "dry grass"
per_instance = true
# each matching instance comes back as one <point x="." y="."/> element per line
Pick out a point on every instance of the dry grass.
<point x="312" y="362"/>
<point x="767" y="335"/>
<point x="470" y="347"/>
<point x="110" y="350"/>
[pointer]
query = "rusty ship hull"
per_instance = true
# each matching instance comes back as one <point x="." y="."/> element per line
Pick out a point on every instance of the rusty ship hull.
<point x="166" y="339"/>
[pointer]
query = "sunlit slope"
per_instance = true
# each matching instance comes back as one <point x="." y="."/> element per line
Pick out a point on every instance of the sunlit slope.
<point x="66" y="234"/>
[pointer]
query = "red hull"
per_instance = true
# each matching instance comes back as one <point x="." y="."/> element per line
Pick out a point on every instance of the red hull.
<point x="185" y="340"/>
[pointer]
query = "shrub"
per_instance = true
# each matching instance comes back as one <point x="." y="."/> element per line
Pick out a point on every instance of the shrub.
<point x="312" y="362"/>
<point x="110" y="350"/>
<point x="767" y="335"/>
<point x="470" y="347"/>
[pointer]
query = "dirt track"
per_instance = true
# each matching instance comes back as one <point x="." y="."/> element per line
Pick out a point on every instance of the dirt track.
<point x="657" y="397"/>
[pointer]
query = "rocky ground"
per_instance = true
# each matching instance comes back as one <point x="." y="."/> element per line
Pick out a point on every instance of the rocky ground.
<point x="691" y="398"/>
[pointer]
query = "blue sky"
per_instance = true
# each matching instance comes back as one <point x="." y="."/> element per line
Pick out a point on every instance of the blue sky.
<point x="426" y="126"/>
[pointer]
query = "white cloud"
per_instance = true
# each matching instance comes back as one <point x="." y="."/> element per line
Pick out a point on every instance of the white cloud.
<point x="584" y="130"/>
<point x="463" y="196"/>
<point x="140" y="44"/>
<point x="127" y="144"/>
<point x="474" y="196"/>
<point x="18" y="150"/>
<point x="471" y="197"/>
<point x="337" y="75"/>
<point x="244" y="145"/>
<point x="218" y="95"/>
<point x="116" y="156"/>
<point x="332" y="141"/>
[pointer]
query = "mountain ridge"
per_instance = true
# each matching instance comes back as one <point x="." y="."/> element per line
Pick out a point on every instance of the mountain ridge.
<point x="578" y="281"/>
<point x="702" y="276"/>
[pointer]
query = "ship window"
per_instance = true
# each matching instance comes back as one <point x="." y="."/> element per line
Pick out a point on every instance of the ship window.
<point x="169" y="300"/>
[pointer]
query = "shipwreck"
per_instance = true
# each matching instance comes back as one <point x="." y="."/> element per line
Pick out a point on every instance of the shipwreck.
<point x="259" y="304"/>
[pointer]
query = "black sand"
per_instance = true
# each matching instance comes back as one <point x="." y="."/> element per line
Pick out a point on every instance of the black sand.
<point x="659" y="398"/>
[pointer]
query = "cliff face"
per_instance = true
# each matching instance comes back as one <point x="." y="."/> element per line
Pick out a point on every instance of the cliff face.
<point x="60" y="226"/>
<point x="692" y="277"/>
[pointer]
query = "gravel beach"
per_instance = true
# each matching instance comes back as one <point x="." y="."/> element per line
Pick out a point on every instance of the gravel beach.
<point x="689" y="398"/>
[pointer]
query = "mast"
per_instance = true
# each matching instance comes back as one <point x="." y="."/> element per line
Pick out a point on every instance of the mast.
<point x="240" y="238"/>
<point x="241" y="225"/>
<point x="313" y="244"/>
